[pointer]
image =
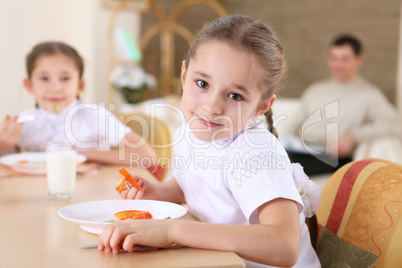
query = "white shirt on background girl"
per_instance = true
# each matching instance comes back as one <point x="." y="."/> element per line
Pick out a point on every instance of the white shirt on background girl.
<point x="225" y="181"/>
<point x="86" y="125"/>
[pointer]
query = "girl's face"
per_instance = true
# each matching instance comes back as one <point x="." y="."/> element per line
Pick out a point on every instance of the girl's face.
<point x="54" y="80"/>
<point x="221" y="91"/>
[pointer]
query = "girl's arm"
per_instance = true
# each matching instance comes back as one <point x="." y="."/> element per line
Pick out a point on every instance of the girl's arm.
<point x="275" y="241"/>
<point x="126" y="154"/>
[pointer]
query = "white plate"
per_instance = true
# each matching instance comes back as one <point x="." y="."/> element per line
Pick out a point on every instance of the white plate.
<point x="36" y="162"/>
<point x="91" y="216"/>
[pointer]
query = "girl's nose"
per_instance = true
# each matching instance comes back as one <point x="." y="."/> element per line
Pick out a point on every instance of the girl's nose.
<point x="213" y="104"/>
<point x="55" y="85"/>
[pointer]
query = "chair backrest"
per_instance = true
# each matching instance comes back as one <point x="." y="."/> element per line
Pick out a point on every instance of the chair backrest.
<point x="155" y="132"/>
<point x="360" y="216"/>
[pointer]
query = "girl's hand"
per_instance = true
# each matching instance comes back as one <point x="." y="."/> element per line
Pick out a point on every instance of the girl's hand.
<point x="149" y="191"/>
<point x="10" y="132"/>
<point x="125" y="235"/>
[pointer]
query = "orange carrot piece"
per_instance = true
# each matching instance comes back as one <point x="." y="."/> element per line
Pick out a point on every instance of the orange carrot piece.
<point x="133" y="214"/>
<point x="128" y="179"/>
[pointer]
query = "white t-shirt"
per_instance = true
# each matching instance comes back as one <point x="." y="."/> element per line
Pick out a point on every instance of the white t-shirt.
<point x="225" y="181"/>
<point x="86" y="125"/>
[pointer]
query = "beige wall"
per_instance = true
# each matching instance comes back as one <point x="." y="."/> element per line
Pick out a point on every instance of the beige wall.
<point x="306" y="27"/>
<point x="25" y="23"/>
<point x="82" y="24"/>
<point x="125" y="20"/>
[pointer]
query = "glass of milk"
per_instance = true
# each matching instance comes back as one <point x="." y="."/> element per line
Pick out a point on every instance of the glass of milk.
<point x="61" y="169"/>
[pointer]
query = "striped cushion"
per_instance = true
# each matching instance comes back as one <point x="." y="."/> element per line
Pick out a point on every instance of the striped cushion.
<point x="362" y="205"/>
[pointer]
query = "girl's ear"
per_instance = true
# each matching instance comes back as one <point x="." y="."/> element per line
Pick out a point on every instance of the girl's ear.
<point x="28" y="85"/>
<point x="183" y="72"/>
<point x="265" y="105"/>
<point x="81" y="86"/>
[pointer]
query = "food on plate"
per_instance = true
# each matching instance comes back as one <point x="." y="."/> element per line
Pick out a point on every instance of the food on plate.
<point x="133" y="214"/>
<point x="31" y="162"/>
<point x="127" y="182"/>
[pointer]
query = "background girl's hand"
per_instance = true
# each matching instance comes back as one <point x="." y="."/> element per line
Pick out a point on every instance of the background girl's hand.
<point x="125" y="235"/>
<point x="149" y="191"/>
<point x="10" y="132"/>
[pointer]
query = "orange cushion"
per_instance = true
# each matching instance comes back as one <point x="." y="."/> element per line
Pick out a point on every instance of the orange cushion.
<point x="362" y="204"/>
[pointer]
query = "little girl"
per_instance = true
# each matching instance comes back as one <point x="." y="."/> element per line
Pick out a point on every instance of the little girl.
<point x="232" y="172"/>
<point x="55" y="78"/>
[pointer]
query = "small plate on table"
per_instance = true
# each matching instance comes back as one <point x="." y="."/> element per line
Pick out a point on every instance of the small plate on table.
<point x="93" y="216"/>
<point x="31" y="163"/>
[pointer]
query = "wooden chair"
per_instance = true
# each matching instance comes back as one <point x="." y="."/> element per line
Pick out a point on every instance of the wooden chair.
<point x="360" y="216"/>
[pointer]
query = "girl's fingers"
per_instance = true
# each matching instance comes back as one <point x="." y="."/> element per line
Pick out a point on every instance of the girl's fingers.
<point x="14" y="118"/>
<point x="141" y="182"/>
<point x="16" y="129"/>
<point x="100" y="245"/>
<point x="117" y="238"/>
<point x="104" y="238"/>
<point x="129" y="242"/>
<point x="139" y="195"/>
<point x="5" y="123"/>
<point x="123" y="194"/>
<point x="143" y="186"/>
<point x="7" y="118"/>
<point x="10" y="121"/>
<point x="132" y="193"/>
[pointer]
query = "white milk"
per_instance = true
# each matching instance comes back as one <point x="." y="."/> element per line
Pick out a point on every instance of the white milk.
<point x="61" y="172"/>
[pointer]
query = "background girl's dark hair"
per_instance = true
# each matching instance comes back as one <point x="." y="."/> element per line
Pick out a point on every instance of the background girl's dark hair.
<point x="248" y="35"/>
<point x="50" y="48"/>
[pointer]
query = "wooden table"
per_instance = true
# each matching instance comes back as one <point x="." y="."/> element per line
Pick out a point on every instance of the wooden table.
<point x="32" y="234"/>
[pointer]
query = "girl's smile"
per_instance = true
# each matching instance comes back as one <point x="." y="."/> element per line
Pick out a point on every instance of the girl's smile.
<point x="52" y="99"/>
<point x="203" y="120"/>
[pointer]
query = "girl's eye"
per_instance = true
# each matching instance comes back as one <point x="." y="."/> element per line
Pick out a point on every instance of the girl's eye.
<point x="235" y="96"/>
<point x="66" y="78"/>
<point x="44" y="78"/>
<point x="202" y="84"/>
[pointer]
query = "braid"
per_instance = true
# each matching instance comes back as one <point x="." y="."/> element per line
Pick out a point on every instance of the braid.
<point x="270" y="122"/>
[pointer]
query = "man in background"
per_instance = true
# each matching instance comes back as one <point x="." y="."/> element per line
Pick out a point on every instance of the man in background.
<point x="342" y="111"/>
